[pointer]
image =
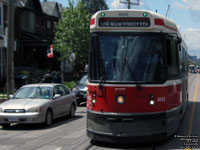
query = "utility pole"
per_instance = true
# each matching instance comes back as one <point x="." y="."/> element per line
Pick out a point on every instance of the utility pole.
<point x="10" y="49"/>
<point x="130" y="3"/>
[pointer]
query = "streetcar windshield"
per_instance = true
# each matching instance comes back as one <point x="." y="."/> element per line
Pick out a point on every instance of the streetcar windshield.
<point x="127" y="58"/>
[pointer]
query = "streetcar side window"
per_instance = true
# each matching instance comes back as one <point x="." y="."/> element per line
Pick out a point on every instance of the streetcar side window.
<point x="183" y="58"/>
<point x="93" y="55"/>
<point x="172" y="59"/>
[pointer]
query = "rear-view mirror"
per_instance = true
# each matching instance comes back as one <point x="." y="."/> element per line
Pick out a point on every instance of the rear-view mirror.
<point x="56" y="96"/>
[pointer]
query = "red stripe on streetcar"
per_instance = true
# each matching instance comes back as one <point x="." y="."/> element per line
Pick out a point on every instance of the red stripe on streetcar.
<point x="160" y="22"/>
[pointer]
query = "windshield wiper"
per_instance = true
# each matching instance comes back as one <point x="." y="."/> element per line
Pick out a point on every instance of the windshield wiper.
<point x="129" y="67"/>
<point x="102" y="81"/>
<point x="16" y="98"/>
<point x="31" y="97"/>
<point x="138" y="83"/>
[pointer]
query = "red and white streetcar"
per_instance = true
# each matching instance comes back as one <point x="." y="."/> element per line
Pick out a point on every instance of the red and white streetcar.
<point x="138" y="80"/>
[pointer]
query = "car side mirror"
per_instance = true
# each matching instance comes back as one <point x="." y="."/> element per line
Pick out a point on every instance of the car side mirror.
<point x="10" y="96"/>
<point x="56" y="96"/>
<point x="178" y="40"/>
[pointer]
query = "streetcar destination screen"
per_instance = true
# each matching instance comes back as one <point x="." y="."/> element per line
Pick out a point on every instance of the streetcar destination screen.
<point x="124" y="22"/>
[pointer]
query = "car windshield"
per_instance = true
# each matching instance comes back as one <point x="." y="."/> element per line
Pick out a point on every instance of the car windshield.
<point x="33" y="93"/>
<point x="83" y="80"/>
<point x="127" y="58"/>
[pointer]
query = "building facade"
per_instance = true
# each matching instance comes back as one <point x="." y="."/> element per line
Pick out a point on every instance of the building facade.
<point x="34" y="32"/>
<point x="3" y="43"/>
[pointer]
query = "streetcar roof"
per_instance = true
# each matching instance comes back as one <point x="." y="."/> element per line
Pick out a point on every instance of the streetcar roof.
<point x="157" y="22"/>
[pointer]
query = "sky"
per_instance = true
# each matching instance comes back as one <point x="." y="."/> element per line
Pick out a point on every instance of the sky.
<point x="185" y="13"/>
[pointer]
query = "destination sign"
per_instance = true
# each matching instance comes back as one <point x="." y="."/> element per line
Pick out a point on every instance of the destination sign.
<point x="124" y="22"/>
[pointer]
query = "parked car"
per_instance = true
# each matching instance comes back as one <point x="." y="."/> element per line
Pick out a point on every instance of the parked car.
<point x="198" y="69"/>
<point x="81" y="90"/>
<point x="38" y="103"/>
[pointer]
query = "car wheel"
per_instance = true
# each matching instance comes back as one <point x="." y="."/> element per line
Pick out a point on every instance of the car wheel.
<point x="72" y="111"/>
<point x="49" y="118"/>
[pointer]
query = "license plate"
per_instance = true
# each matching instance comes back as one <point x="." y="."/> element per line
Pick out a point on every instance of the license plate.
<point x="12" y="119"/>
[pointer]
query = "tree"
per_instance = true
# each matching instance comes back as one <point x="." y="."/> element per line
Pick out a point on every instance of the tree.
<point x="72" y="33"/>
<point x="94" y="5"/>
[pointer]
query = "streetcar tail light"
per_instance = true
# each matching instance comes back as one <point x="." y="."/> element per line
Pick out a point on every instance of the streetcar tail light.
<point x="159" y="22"/>
<point x="120" y="100"/>
<point x="92" y="21"/>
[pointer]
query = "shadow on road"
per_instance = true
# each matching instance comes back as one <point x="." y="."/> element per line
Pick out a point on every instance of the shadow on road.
<point x="56" y="123"/>
<point x="126" y="146"/>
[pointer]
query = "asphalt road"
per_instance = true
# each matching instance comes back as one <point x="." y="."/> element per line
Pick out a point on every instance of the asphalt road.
<point x="70" y="134"/>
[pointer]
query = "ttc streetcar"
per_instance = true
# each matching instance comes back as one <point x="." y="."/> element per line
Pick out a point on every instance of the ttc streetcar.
<point x="137" y="79"/>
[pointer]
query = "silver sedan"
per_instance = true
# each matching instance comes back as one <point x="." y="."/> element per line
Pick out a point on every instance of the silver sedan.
<point x="38" y="103"/>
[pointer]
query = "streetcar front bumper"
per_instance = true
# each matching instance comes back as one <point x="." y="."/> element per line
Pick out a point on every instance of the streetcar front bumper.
<point x="132" y="127"/>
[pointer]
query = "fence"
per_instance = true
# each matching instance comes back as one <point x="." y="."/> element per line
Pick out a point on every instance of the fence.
<point x="3" y="95"/>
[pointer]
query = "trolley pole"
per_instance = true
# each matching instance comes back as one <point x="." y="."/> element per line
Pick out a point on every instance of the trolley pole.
<point x="10" y="49"/>
<point x="130" y="3"/>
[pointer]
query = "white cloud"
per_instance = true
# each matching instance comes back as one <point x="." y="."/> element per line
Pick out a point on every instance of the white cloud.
<point x="192" y="5"/>
<point x="117" y="5"/>
<point x="180" y="5"/>
<point x="192" y="37"/>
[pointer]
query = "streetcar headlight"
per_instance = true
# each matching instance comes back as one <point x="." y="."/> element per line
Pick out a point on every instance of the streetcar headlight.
<point x="120" y="100"/>
<point x="94" y="98"/>
<point x="94" y="101"/>
<point x="152" y="101"/>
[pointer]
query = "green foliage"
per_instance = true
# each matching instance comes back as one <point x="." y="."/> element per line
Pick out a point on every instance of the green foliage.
<point x="25" y="72"/>
<point x="70" y="85"/>
<point x="94" y="5"/>
<point x="72" y="33"/>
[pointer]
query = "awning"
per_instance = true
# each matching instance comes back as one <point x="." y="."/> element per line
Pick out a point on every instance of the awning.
<point x="33" y="39"/>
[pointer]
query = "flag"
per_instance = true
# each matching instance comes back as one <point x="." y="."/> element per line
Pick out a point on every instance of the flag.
<point x="50" y="52"/>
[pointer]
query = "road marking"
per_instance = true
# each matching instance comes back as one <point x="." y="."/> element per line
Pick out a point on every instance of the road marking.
<point x="193" y="109"/>
<point x="59" y="148"/>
